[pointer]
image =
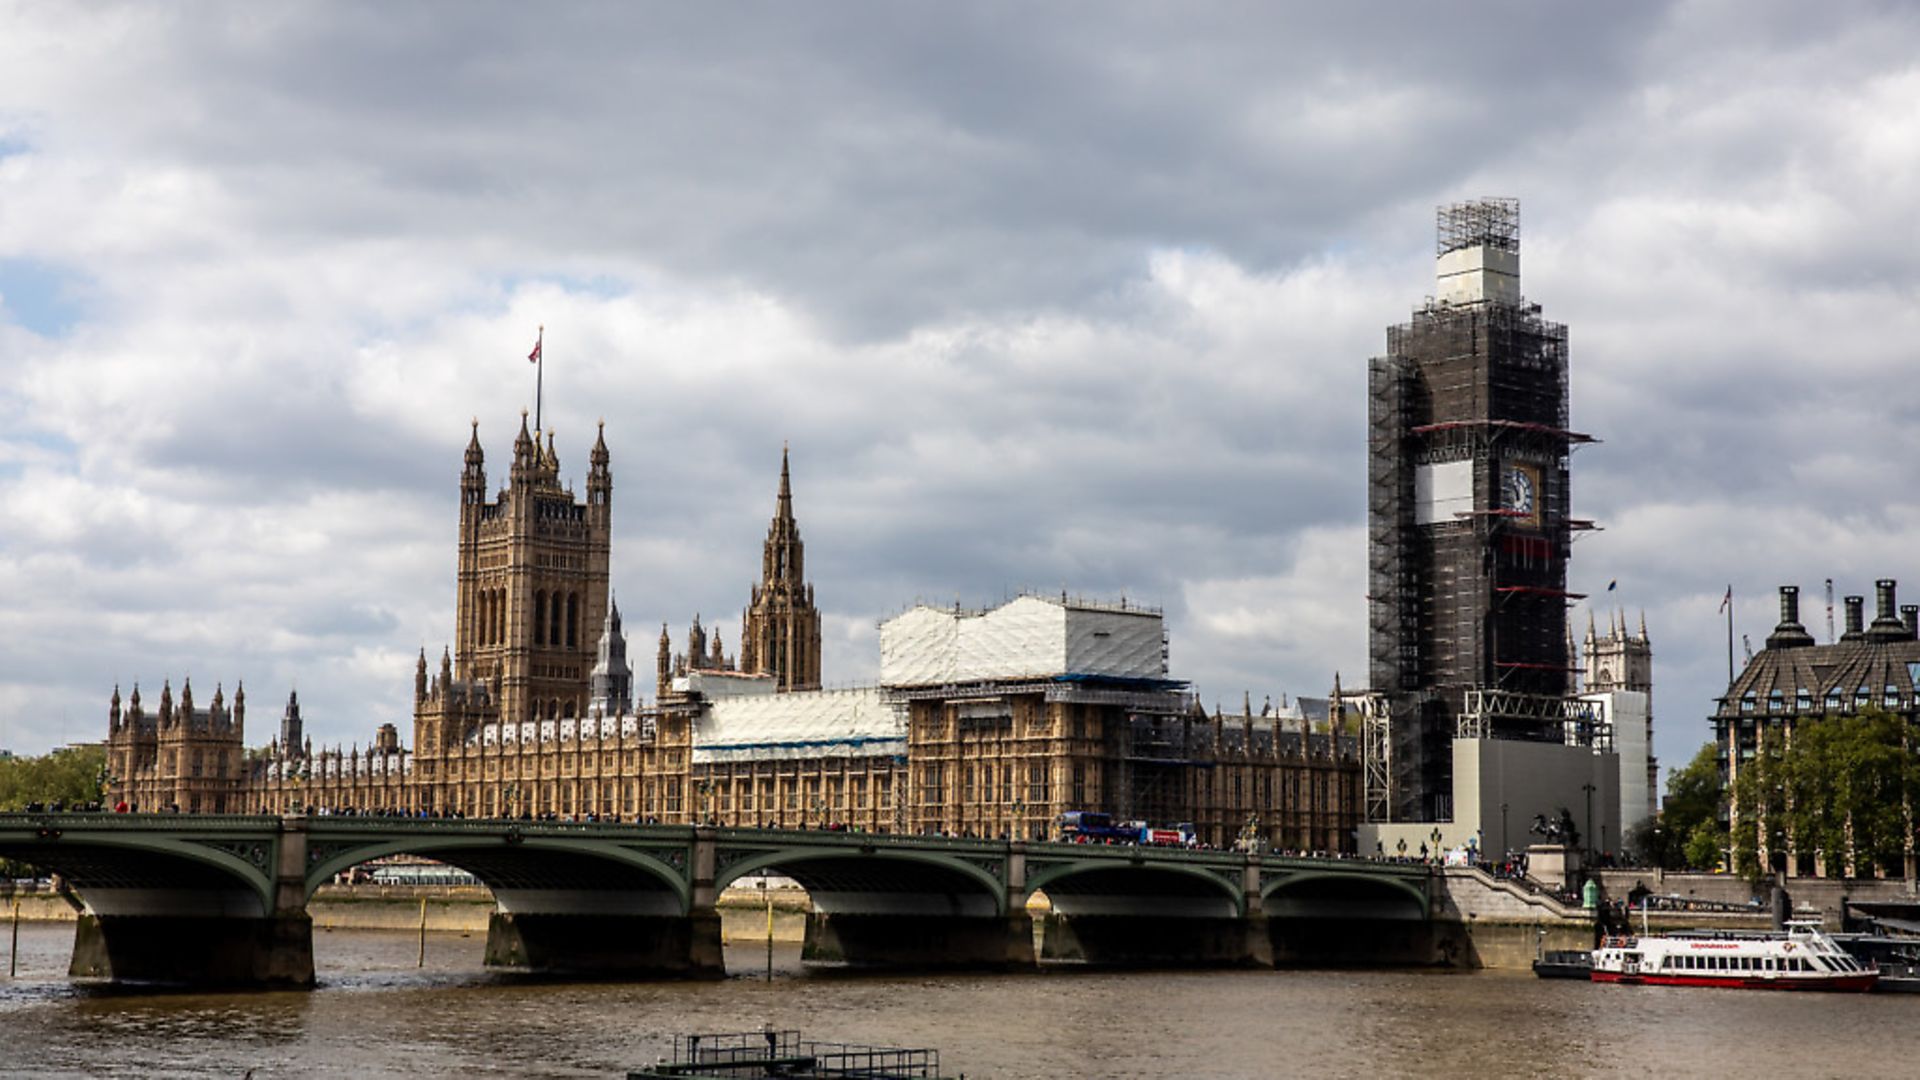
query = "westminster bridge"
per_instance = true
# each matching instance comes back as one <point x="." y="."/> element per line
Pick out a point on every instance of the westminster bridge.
<point x="221" y="899"/>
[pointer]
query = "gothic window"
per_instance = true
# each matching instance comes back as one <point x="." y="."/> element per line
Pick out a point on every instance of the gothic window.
<point x="553" y="621"/>
<point x="1079" y="779"/>
<point x="539" y="618"/>
<point x="573" y="619"/>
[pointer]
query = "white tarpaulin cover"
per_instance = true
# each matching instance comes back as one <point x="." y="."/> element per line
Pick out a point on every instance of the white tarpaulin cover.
<point x="801" y="724"/>
<point x="1031" y="637"/>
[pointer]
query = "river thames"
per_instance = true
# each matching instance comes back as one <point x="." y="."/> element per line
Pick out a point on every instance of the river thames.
<point x="377" y="1014"/>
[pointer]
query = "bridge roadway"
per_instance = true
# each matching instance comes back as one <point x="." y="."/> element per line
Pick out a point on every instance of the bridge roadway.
<point x="221" y="899"/>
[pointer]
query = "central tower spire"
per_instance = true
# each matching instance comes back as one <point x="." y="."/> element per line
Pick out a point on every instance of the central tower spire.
<point x="780" y="630"/>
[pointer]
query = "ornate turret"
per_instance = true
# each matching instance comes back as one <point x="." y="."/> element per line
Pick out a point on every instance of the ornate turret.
<point x="612" y="678"/>
<point x="663" y="672"/>
<point x="113" y="711"/>
<point x="166" y="702"/>
<point x="696" y="644"/>
<point x="599" y="476"/>
<point x="420" y="677"/>
<point x="526" y="454"/>
<point x="291" y="727"/>
<point x="473" y="479"/>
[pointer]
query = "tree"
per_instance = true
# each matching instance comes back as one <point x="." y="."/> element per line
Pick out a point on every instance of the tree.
<point x="1686" y="832"/>
<point x="71" y="776"/>
<point x="1838" y="787"/>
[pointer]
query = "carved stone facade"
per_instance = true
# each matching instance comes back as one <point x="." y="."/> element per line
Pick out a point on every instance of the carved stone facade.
<point x="1010" y="759"/>
<point x="527" y="713"/>
<point x="178" y="757"/>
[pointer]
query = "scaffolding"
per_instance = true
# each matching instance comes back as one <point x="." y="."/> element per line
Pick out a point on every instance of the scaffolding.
<point x="1492" y="222"/>
<point x="1466" y="601"/>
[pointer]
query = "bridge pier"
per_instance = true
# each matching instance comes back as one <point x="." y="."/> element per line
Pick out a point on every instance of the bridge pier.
<point x="612" y="932"/>
<point x="925" y="942"/>
<point x="275" y="952"/>
<point x="597" y="945"/>
<point x="1156" y="941"/>
<point x="203" y="936"/>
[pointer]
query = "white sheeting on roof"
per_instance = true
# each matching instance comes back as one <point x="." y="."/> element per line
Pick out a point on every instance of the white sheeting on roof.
<point x="1031" y="637"/>
<point x="801" y="724"/>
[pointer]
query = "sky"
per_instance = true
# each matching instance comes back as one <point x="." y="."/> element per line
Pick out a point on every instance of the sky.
<point x="1071" y="296"/>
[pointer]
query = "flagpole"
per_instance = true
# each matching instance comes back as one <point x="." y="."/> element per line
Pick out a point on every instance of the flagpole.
<point x="540" y="368"/>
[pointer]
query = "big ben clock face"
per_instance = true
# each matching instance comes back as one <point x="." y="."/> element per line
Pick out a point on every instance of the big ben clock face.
<point x="1520" y="492"/>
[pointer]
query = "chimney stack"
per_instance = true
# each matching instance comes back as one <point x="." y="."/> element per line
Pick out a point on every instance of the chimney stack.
<point x="1910" y="618"/>
<point x="1789" y="634"/>
<point x="1856" y="606"/>
<point x="1886" y="624"/>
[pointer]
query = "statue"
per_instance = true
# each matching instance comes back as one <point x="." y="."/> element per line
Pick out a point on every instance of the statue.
<point x="1558" y="831"/>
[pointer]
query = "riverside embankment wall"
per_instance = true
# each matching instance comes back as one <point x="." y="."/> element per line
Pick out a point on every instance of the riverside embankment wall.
<point x="1828" y="896"/>
<point x="1482" y="921"/>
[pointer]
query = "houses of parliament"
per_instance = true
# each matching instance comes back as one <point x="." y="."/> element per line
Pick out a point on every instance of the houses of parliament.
<point x="984" y="723"/>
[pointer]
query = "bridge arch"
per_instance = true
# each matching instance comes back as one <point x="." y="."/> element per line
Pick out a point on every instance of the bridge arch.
<point x="1112" y="886"/>
<point x="149" y="869"/>
<point x="1344" y="895"/>
<point x="882" y="876"/>
<point x="528" y="865"/>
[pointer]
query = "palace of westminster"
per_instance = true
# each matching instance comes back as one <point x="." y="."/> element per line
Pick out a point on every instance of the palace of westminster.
<point x="984" y="723"/>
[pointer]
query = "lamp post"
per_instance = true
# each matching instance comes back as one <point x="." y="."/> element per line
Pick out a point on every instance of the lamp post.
<point x="1019" y="820"/>
<point x="1506" y="842"/>
<point x="1588" y="837"/>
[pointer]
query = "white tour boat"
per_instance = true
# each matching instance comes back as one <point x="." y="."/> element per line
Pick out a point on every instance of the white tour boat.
<point x="1803" y="958"/>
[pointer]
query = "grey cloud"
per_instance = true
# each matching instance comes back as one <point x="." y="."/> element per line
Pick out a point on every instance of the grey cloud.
<point x="921" y="244"/>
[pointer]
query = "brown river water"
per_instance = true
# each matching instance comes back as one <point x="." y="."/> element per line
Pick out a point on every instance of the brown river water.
<point x="378" y="1015"/>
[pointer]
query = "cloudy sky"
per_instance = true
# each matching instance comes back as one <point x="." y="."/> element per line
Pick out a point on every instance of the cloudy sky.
<point x="1076" y="297"/>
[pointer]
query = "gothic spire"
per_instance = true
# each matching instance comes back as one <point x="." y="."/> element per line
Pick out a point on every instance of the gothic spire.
<point x="785" y="509"/>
